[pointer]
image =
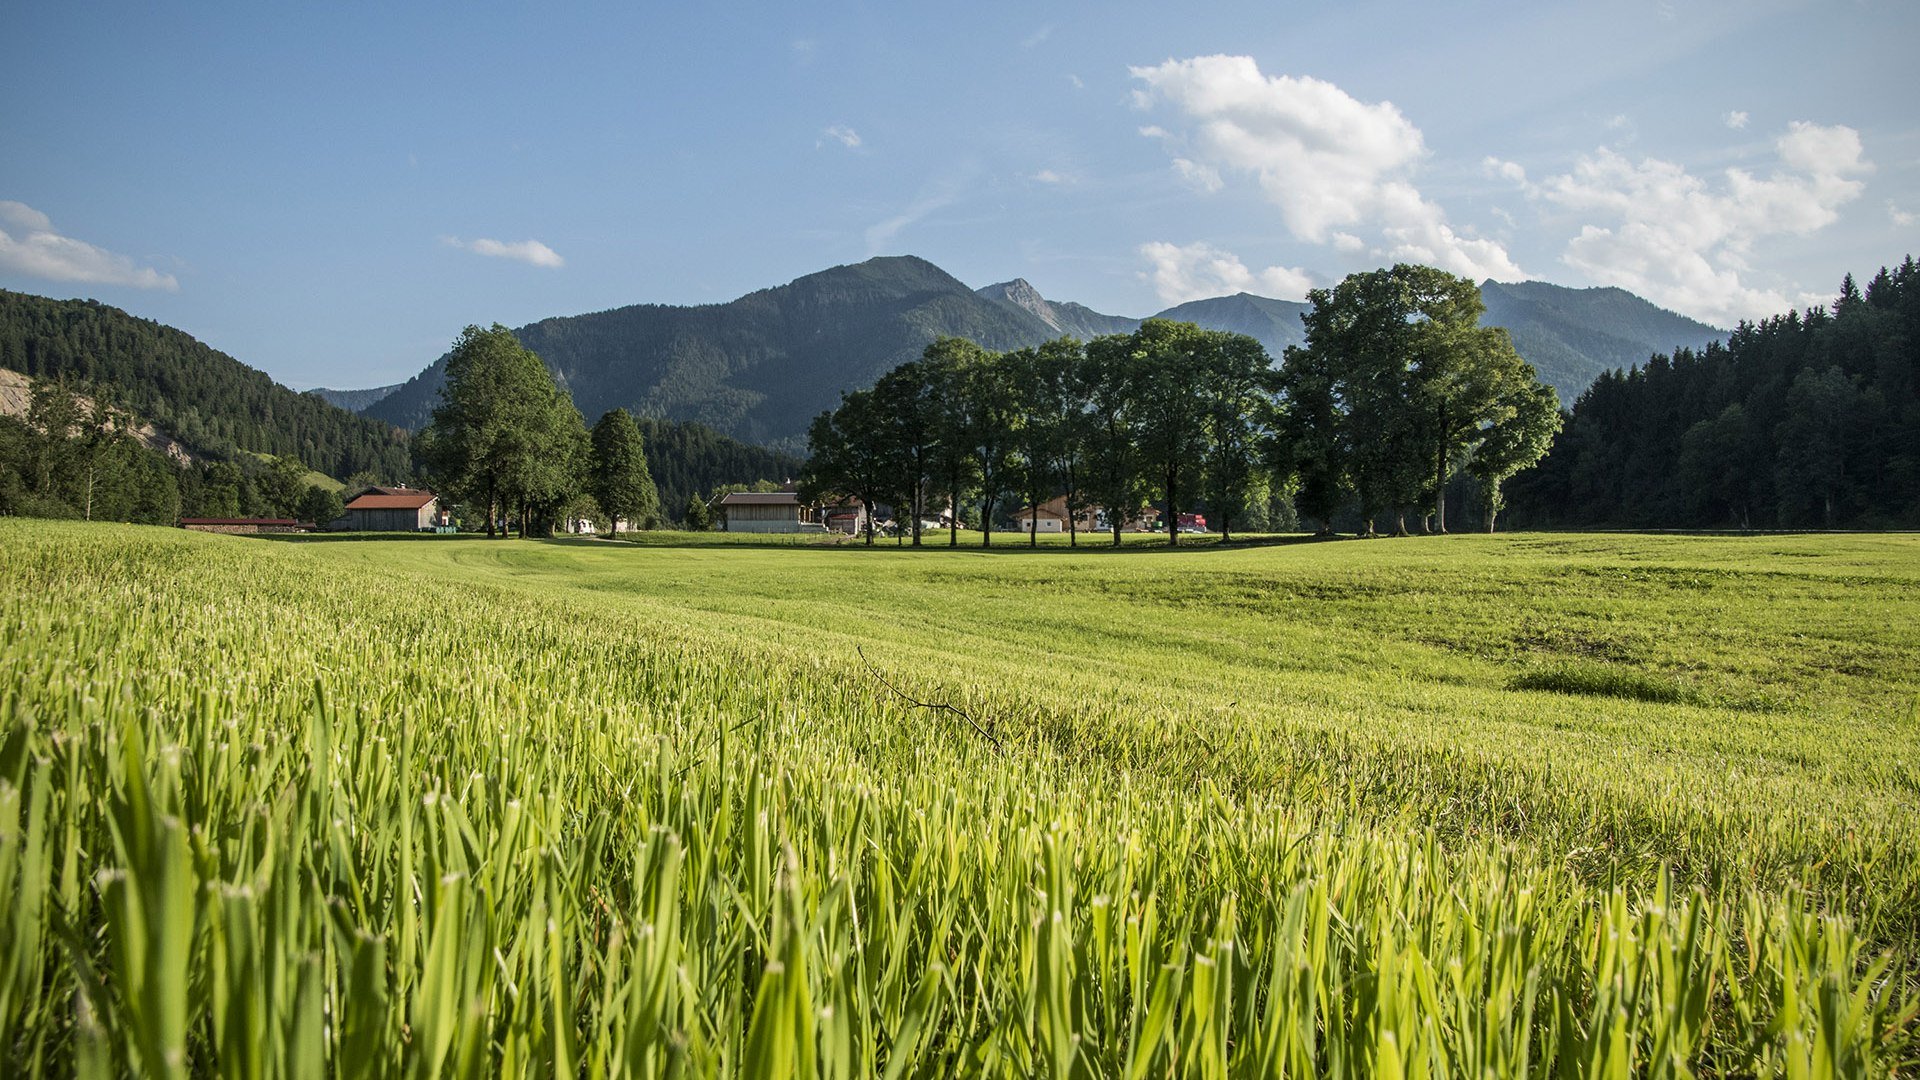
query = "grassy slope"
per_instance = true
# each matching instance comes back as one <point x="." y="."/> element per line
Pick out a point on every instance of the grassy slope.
<point x="1251" y="718"/>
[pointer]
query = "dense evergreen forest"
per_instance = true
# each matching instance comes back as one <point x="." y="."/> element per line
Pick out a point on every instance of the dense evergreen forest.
<point x="1799" y="421"/>
<point x="215" y="404"/>
<point x="690" y="459"/>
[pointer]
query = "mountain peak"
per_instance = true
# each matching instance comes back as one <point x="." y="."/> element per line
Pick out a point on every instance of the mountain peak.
<point x="1061" y="318"/>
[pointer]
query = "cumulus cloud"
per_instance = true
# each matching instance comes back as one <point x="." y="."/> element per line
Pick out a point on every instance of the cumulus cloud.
<point x="1902" y="218"/>
<point x="1684" y="241"/>
<point x="1737" y="120"/>
<point x="531" y="252"/>
<point x="1050" y="176"/>
<point x="1332" y="164"/>
<point x="1199" y="270"/>
<point x="841" y="134"/>
<point x="30" y="246"/>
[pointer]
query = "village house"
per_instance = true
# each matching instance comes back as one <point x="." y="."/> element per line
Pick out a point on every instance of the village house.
<point x="767" y="512"/>
<point x="393" y="509"/>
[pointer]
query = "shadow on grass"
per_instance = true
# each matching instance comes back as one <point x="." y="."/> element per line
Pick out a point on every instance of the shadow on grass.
<point x="1602" y="680"/>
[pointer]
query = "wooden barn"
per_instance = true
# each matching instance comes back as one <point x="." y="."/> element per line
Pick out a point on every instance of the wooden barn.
<point x="766" y="512"/>
<point x="392" y="509"/>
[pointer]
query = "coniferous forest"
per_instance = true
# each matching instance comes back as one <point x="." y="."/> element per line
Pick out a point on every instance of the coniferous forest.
<point x="1800" y="421"/>
<point x="215" y="404"/>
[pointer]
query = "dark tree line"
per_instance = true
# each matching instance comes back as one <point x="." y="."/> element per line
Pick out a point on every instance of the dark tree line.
<point x="213" y="403"/>
<point x="1799" y="421"/>
<point x="1396" y="393"/>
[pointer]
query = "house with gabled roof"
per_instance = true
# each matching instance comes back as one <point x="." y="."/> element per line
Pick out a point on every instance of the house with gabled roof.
<point x="393" y="509"/>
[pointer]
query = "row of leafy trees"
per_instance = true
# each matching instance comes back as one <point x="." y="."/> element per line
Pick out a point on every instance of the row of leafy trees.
<point x="1797" y="421"/>
<point x="1397" y="390"/>
<point x="76" y="454"/>
<point x="507" y="443"/>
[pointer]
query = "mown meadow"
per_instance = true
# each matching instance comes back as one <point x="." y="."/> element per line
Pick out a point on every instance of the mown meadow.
<point x="1554" y="805"/>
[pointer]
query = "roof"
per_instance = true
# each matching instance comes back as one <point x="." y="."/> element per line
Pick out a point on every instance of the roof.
<point x="237" y="521"/>
<point x="412" y="500"/>
<point x="761" y="498"/>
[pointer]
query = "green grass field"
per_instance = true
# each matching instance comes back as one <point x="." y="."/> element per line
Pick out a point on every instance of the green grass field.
<point x="1552" y="805"/>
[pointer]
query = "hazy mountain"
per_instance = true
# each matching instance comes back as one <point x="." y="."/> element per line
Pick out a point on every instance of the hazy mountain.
<point x="758" y="368"/>
<point x="1571" y="336"/>
<point x="1063" y="317"/>
<point x="1274" y="323"/>
<point x="354" y="400"/>
<point x="761" y="367"/>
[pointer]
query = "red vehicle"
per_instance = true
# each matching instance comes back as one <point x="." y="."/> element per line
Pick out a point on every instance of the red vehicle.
<point x="1193" y="523"/>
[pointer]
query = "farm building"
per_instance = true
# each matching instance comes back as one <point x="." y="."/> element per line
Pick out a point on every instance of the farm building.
<point x="849" y="516"/>
<point x="766" y="512"/>
<point x="243" y="526"/>
<point x="392" y="509"/>
<point x="1047" y="518"/>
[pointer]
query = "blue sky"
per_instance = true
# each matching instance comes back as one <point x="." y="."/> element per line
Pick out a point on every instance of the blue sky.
<point x="331" y="195"/>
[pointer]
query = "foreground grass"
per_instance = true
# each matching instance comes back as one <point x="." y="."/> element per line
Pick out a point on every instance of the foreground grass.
<point x="1547" y="805"/>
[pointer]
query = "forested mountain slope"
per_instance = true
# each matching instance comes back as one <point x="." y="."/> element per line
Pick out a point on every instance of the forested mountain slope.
<point x="760" y="367"/>
<point x="1571" y="336"/>
<point x="213" y="403"/>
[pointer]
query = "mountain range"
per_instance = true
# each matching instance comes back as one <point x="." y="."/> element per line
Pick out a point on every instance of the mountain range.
<point x="760" y="367"/>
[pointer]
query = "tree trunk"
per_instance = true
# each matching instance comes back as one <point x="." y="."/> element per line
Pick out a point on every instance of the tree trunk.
<point x="1073" y="527"/>
<point x="1400" y="524"/>
<point x="1440" y="479"/>
<point x="88" y="514"/>
<point x="492" y="509"/>
<point x="986" y="521"/>
<point x="1173" y="512"/>
<point x="918" y="504"/>
<point x="953" y="516"/>
<point x="1113" y="519"/>
<point x="868" y="499"/>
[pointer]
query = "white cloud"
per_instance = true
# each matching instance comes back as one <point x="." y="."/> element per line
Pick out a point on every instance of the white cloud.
<point x="1737" y="120"/>
<point x="1902" y="218"/>
<point x="29" y="246"/>
<point x="1199" y="270"/>
<point x="1049" y="176"/>
<point x="1331" y="163"/>
<point x="841" y="134"/>
<point x="1505" y="170"/>
<point x="1076" y="82"/>
<point x="1683" y="242"/>
<point x="1202" y="178"/>
<point x="1034" y="39"/>
<point x="531" y="252"/>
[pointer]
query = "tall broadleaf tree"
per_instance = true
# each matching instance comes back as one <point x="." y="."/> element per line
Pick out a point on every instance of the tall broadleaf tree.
<point x="1529" y="418"/>
<point x="1237" y="403"/>
<point x="505" y="437"/>
<point x="1168" y="371"/>
<point x="620" y="481"/>
<point x="1114" y="476"/>
<point x="947" y="363"/>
